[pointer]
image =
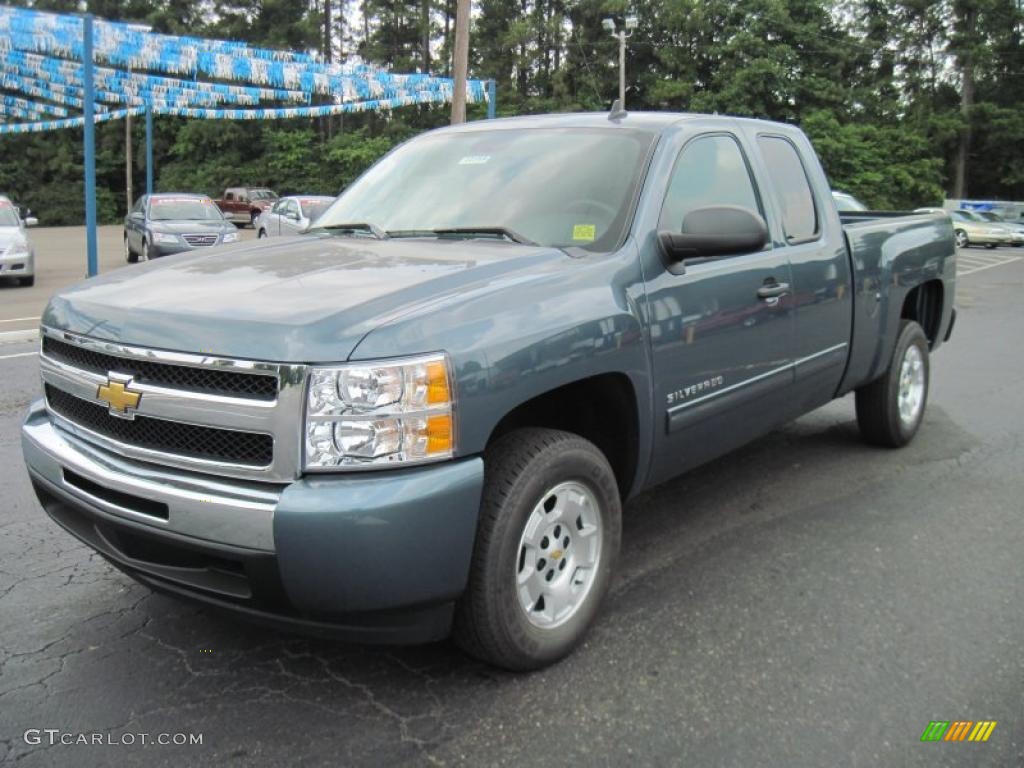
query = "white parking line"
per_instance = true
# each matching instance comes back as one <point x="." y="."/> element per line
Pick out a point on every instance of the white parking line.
<point x="966" y="272"/>
<point x="19" y="319"/>
<point x="20" y="354"/>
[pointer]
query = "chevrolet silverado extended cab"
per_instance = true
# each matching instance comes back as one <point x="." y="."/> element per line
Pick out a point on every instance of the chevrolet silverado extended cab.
<point x="423" y="416"/>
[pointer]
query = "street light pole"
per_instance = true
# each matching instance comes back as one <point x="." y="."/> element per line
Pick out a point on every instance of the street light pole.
<point x="621" y="35"/>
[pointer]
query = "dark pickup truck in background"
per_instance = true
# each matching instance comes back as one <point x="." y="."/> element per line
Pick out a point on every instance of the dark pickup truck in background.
<point x="243" y="205"/>
<point x="425" y="415"/>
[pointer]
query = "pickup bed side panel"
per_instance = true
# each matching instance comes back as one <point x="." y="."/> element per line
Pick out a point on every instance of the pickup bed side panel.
<point x="575" y="319"/>
<point x="891" y="257"/>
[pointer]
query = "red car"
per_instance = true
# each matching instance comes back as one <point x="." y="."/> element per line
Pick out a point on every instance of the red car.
<point x="243" y="205"/>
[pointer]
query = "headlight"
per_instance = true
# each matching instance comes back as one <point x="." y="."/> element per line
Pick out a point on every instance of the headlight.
<point x="230" y="237"/>
<point x="19" y="248"/>
<point x="165" y="237"/>
<point x="375" y="414"/>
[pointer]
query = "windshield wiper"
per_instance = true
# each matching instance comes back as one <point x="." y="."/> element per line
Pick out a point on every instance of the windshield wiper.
<point x="504" y="232"/>
<point x="357" y="226"/>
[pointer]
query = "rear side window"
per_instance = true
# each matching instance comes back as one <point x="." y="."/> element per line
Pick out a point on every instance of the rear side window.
<point x="792" y="189"/>
<point x="711" y="170"/>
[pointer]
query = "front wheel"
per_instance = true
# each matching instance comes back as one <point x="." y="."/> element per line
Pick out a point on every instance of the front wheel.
<point x="252" y="219"/>
<point x="144" y="256"/>
<point x="890" y="409"/>
<point x="27" y="282"/>
<point x="546" y="545"/>
<point x="262" y="234"/>
<point x="129" y="254"/>
<point x="990" y="246"/>
<point x="961" y="239"/>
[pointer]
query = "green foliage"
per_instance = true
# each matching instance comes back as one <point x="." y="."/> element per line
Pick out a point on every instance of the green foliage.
<point x="875" y="83"/>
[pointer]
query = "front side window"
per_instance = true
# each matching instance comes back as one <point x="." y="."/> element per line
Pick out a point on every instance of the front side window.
<point x="792" y="189"/>
<point x="552" y="186"/>
<point x="711" y="170"/>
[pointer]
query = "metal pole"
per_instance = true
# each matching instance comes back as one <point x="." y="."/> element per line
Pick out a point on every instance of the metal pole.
<point x="622" y="68"/>
<point x="492" y="99"/>
<point x="129" y="189"/>
<point x="149" y="150"/>
<point x="90" y="148"/>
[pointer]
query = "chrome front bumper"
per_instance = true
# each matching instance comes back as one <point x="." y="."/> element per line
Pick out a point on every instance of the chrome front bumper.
<point x="220" y="510"/>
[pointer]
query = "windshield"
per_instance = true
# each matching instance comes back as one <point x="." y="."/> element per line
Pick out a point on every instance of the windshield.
<point x="262" y="194"/>
<point x="969" y="216"/>
<point x="183" y="208"/>
<point x="555" y="187"/>
<point x="8" y="216"/>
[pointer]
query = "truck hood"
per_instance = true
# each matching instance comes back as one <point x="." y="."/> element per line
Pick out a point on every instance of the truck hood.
<point x="296" y="299"/>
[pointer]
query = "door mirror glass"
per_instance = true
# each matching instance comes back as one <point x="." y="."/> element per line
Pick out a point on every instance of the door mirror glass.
<point x="715" y="231"/>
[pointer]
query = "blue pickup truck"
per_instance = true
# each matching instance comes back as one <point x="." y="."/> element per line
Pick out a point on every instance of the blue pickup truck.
<point x="423" y="417"/>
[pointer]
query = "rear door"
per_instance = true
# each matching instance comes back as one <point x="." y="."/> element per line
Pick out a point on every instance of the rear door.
<point x="721" y="333"/>
<point x="813" y="240"/>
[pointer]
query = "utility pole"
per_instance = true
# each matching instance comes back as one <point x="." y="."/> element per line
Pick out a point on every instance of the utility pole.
<point x="129" y="190"/>
<point x="621" y="35"/>
<point x="966" y="101"/>
<point x="462" y="11"/>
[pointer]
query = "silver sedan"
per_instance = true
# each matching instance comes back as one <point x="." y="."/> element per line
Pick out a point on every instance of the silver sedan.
<point x="291" y="215"/>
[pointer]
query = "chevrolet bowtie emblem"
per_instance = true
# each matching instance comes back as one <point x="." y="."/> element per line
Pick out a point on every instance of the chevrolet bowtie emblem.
<point x="122" y="401"/>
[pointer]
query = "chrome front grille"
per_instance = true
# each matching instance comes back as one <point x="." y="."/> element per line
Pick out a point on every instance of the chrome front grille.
<point x="195" y="240"/>
<point x="213" y="381"/>
<point x="215" y="415"/>
<point x="210" y="443"/>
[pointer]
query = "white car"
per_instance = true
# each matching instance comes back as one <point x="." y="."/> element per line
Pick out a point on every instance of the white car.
<point x="291" y="215"/>
<point x="17" y="254"/>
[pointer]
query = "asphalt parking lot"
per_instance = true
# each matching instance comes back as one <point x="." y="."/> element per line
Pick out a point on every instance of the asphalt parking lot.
<point x="806" y="601"/>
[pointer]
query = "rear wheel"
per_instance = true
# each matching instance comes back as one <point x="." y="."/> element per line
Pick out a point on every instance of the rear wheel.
<point x="990" y="245"/>
<point x="961" y="239"/>
<point x="252" y="218"/>
<point x="890" y="409"/>
<point x="548" y="538"/>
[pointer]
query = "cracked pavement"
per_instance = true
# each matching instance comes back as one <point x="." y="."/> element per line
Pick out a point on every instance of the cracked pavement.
<point x="805" y="601"/>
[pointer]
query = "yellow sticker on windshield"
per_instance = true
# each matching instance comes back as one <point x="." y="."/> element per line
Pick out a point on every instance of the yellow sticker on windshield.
<point x="584" y="232"/>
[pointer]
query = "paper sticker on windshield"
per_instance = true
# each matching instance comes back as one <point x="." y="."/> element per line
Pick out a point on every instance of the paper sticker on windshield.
<point x="174" y="200"/>
<point x="474" y="159"/>
<point x="586" y="232"/>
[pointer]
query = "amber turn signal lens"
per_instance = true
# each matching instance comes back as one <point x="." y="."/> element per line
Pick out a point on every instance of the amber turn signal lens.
<point x="439" y="433"/>
<point x="437" y="383"/>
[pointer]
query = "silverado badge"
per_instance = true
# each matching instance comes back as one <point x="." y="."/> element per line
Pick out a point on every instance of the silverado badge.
<point x="121" y="400"/>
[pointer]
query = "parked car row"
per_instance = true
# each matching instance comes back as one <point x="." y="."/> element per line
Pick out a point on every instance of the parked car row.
<point x="17" y="253"/>
<point x="970" y="227"/>
<point x="988" y="229"/>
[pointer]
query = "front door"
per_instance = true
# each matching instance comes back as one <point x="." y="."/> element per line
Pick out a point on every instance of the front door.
<point x="721" y="329"/>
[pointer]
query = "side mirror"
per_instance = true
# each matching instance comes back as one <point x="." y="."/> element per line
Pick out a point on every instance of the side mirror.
<point x="31" y="221"/>
<point x="714" y="232"/>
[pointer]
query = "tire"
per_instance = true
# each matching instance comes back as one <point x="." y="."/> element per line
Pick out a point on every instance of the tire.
<point x="129" y="255"/>
<point x="990" y="246"/>
<point x="530" y="474"/>
<point x="962" y="240"/>
<point x="262" y="234"/>
<point x="252" y="218"/>
<point x="144" y="256"/>
<point x="27" y="282"/>
<point x="890" y="409"/>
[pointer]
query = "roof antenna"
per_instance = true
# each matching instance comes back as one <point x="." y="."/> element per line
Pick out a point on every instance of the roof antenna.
<point x="617" y="112"/>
